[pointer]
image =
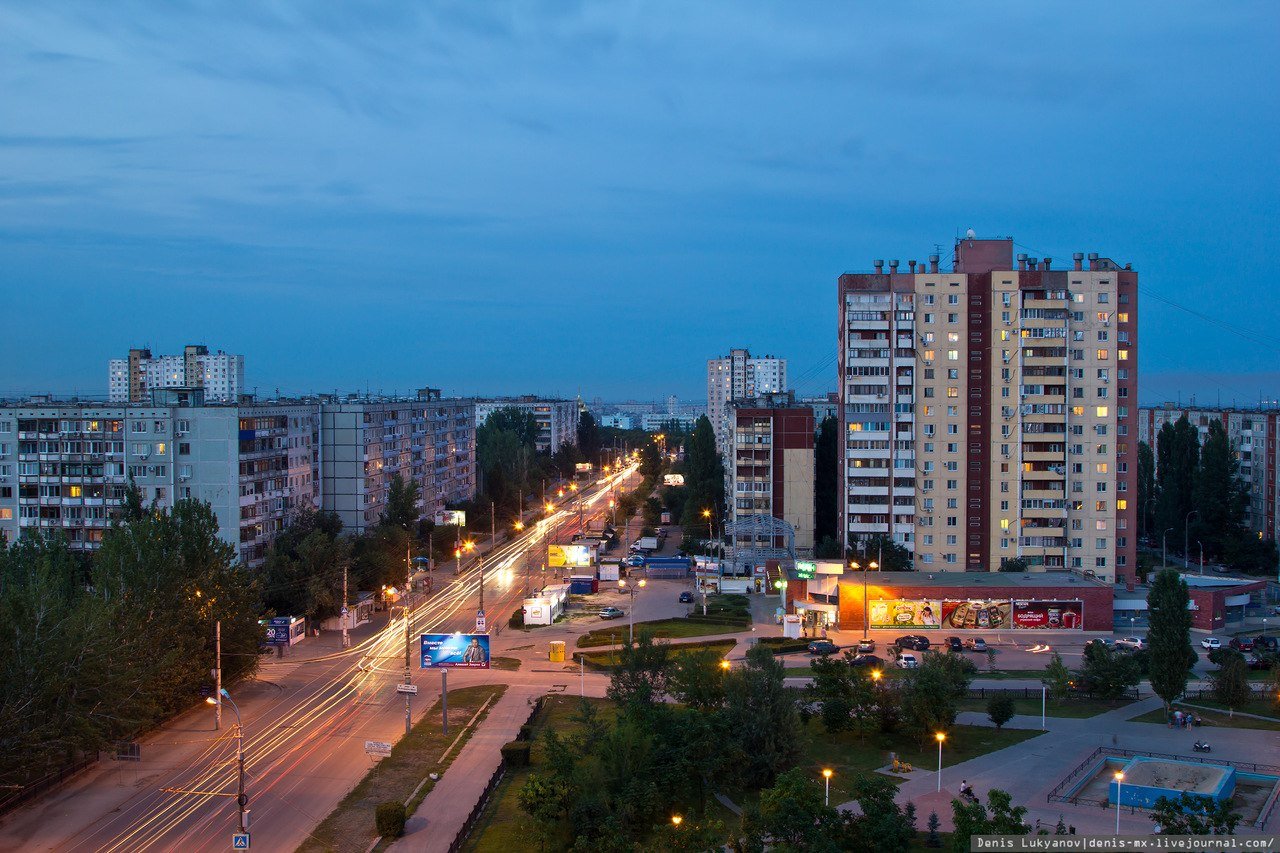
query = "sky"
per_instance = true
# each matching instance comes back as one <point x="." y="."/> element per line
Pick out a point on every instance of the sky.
<point x="594" y="198"/>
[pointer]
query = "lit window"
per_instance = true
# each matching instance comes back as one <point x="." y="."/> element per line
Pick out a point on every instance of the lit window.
<point x="953" y="391"/>
<point x="1004" y="524"/>
<point x="1004" y="334"/>
<point x="160" y="445"/>
<point x="1102" y="411"/>
<point x="1100" y="506"/>
<point x="1123" y="317"/>
<point x="953" y="355"/>
<point x="1103" y="355"/>
<point x="1102" y="316"/>
<point x="1077" y="410"/>
<point x="75" y="491"/>
<point x="1102" y="467"/>
<point x="1122" y="504"/>
<point x="928" y="355"/>
<point x="953" y="337"/>
<point x="1122" y="354"/>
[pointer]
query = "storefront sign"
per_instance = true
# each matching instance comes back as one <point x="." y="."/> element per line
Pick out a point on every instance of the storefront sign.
<point x="975" y="614"/>
<point x="806" y="571"/>
<point x="1048" y="615"/>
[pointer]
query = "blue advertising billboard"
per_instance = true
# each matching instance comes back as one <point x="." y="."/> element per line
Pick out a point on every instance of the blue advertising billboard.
<point x="456" y="651"/>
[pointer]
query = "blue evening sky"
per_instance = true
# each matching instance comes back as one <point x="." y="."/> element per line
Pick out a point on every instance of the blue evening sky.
<point x="594" y="198"/>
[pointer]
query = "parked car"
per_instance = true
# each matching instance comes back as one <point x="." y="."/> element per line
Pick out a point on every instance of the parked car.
<point x="686" y="597"/>
<point x="915" y="642"/>
<point x="954" y="644"/>
<point x="867" y="660"/>
<point x="866" y="646"/>
<point x="1260" y="663"/>
<point x="1102" y="641"/>
<point x="975" y="644"/>
<point x="1241" y="644"/>
<point x="1270" y="644"/>
<point x="823" y="647"/>
<point x="611" y="613"/>
<point x="1134" y="643"/>
<point x="908" y="661"/>
<point x="634" y="561"/>
<point x="1211" y="643"/>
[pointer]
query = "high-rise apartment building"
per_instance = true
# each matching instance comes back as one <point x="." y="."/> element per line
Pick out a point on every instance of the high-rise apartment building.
<point x="66" y="466"/>
<point x="1252" y="433"/>
<point x="132" y="379"/>
<point x="365" y="442"/>
<point x="557" y="419"/>
<point x="770" y="467"/>
<point x="990" y="412"/>
<point x="739" y="376"/>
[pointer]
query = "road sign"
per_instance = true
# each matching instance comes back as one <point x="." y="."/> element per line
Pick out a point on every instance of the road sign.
<point x="480" y="622"/>
<point x="377" y="747"/>
<point x="240" y="841"/>
<point x="344" y="611"/>
<point x="407" y="688"/>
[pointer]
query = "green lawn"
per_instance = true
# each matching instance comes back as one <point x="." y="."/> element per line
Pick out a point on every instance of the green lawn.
<point x="504" y="663"/>
<point x="1220" y="717"/>
<point x="848" y="754"/>
<point x="502" y="826"/>
<point x="350" y="825"/>
<point x="659" y="628"/>
<point x="1077" y="708"/>
<point x="604" y="660"/>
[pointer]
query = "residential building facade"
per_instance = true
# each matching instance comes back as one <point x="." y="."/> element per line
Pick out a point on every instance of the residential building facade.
<point x="557" y="419"/>
<point x="739" y="376"/>
<point x="769" y="470"/>
<point x="990" y="413"/>
<point x="365" y="442"/>
<point x="132" y="379"/>
<point x="1252" y="433"/>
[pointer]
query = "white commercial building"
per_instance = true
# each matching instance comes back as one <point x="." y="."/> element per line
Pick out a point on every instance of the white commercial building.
<point x="739" y="376"/>
<point x="132" y="379"/>
<point x="557" y="419"/>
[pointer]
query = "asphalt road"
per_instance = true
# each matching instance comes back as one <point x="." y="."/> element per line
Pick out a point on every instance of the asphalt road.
<point x="306" y="719"/>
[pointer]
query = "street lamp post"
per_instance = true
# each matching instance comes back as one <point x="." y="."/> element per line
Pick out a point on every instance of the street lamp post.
<point x="1186" y="538"/>
<point x="1164" y="548"/>
<point x="1119" y="782"/>
<point x="241" y="800"/>
<point x="826" y="776"/>
<point x="941" y="737"/>
<point x="631" y="589"/>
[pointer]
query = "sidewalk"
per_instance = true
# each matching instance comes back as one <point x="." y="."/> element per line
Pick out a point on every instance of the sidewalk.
<point x="440" y="817"/>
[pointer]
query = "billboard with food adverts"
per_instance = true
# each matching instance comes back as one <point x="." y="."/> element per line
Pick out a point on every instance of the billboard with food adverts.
<point x="905" y="613"/>
<point x="571" y="556"/>
<point x="976" y="614"/>
<point x="1050" y="615"/>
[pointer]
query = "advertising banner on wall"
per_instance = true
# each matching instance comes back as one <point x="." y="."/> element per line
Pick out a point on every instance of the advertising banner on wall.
<point x="572" y="556"/>
<point x="905" y="613"/>
<point x="455" y="651"/>
<point x="1049" y="615"/>
<point x="976" y="615"/>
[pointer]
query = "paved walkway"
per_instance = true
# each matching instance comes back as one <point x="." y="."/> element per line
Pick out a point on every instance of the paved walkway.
<point x="1029" y="770"/>
<point x="440" y="817"/>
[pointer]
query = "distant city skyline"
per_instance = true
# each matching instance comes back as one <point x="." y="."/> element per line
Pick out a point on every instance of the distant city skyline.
<point x="501" y="199"/>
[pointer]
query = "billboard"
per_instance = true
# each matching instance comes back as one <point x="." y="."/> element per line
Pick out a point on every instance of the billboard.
<point x="905" y="613"/>
<point x="571" y="556"/>
<point x="582" y="467"/>
<point x="673" y="479"/>
<point x="445" y="517"/>
<point x="1049" y="615"/>
<point x="455" y="651"/>
<point x="976" y="615"/>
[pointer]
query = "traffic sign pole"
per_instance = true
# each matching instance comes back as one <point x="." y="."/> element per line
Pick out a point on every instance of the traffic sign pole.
<point x="444" y="700"/>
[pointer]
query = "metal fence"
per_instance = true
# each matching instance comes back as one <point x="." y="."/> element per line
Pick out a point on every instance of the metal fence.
<point x="1057" y="796"/>
<point x="12" y="799"/>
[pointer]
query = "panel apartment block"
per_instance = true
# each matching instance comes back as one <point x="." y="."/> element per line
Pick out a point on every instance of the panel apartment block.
<point x="739" y="376"/>
<point x="770" y="468"/>
<point x="989" y="413"/>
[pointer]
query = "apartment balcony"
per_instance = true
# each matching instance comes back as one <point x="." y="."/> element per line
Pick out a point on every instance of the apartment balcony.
<point x="1046" y="475"/>
<point x="1044" y="361"/>
<point x="1030" y="304"/>
<point x="1043" y="456"/>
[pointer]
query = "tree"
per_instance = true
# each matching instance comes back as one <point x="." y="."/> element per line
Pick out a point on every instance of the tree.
<point x="641" y="674"/>
<point x="402" y="498"/>
<point x="1177" y="458"/>
<point x="1169" y="636"/>
<point x="761" y="715"/>
<point x="514" y="420"/>
<point x="791" y="817"/>
<point x="543" y="798"/>
<point x="1000" y="709"/>
<point x="825" y="481"/>
<point x="132" y="509"/>
<point x="1231" y="683"/>
<point x="1107" y="672"/>
<point x="1146" y="488"/>
<point x="589" y="438"/>
<point x="828" y="549"/>
<point x="932" y="839"/>
<point x="999" y="817"/>
<point x="697" y="679"/>
<point x="704" y="476"/>
<point x="1221" y="498"/>
<point x="931" y="693"/>
<point x="1057" y="677"/>
<point x="1191" y="814"/>
<point x="1013" y="564"/>
<point x="891" y="556"/>
<point x="881" y="825"/>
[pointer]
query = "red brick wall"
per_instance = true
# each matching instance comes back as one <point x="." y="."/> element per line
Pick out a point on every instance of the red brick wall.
<point x="1097" y="600"/>
<point x="1211" y="604"/>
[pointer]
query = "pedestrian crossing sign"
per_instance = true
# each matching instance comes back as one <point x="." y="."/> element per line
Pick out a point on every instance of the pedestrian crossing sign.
<point x="240" y="841"/>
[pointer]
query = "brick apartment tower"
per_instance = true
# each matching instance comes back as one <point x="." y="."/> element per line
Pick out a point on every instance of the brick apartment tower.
<point x="991" y="412"/>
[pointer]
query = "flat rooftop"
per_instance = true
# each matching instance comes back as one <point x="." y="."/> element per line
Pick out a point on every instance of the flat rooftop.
<point x="975" y="580"/>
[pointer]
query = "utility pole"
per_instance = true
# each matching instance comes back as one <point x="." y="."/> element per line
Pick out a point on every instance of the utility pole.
<point x="217" y="675"/>
<point x="408" y="677"/>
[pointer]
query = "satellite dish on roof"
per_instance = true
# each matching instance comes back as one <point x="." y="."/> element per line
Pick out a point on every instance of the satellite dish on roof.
<point x="970" y="234"/>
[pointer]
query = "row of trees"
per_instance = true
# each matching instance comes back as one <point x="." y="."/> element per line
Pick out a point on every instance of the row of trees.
<point x="94" y="650"/>
<point x="1191" y="494"/>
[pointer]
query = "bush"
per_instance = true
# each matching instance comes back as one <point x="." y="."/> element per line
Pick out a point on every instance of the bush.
<point x="526" y="732"/>
<point x="781" y="645"/>
<point x="1000" y="709"/>
<point x="517" y="619"/>
<point x="389" y="819"/>
<point x="516" y="753"/>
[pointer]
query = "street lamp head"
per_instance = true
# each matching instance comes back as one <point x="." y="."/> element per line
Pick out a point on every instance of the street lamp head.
<point x="875" y="674"/>
<point x="549" y="506"/>
<point x="724" y="664"/>
<point x="826" y="773"/>
<point x="941" y="736"/>
<point x="853" y="564"/>
<point x="209" y="700"/>
<point x="706" y="513"/>
<point x="873" y="565"/>
<point x="519" y="525"/>
<point x="1119" y="776"/>
<point x="676" y="820"/>
<point x="642" y="582"/>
